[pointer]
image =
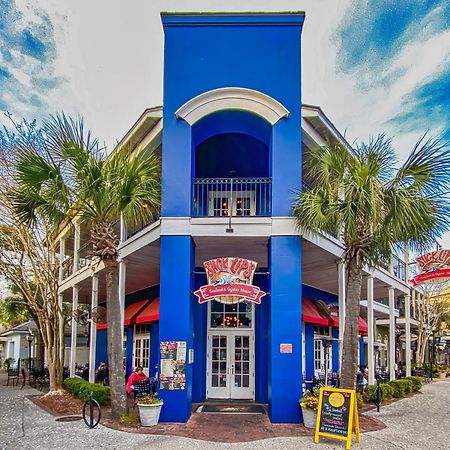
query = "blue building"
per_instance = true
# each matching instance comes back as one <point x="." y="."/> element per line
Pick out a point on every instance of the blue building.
<point x="233" y="137"/>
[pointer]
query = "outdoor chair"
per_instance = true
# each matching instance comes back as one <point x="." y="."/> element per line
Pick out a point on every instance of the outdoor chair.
<point x="13" y="376"/>
<point x="145" y="387"/>
<point x="26" y="377"/>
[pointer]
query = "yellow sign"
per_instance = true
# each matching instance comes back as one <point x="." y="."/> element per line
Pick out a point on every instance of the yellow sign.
<point x="337" y="415"/>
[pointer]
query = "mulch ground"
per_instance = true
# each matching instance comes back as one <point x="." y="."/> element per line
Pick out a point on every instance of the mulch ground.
<point x="209" y="427"/>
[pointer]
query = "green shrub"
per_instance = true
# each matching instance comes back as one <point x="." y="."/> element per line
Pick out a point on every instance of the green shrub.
<point x="370" y="392"/>
<point x="387" y="390"/>
<point x="82" y="389"/>
<point x="416" y="382"/>
<point x="408" y="385"/>
<point x="398" y="388"/>
<point x="128" y="419"/>
<point x="359" y="401"/>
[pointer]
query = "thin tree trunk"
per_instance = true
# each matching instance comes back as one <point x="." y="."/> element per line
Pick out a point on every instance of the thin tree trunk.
<point x="351" y="331"/>
<point x="115" y="341"/>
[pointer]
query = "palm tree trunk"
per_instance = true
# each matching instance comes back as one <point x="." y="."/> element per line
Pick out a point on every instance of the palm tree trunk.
<point x="351" y="330"/>
<point x="115" y="340"/>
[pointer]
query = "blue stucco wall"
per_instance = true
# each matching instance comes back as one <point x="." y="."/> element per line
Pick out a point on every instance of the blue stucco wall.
<point x="129" y="352"/>
<point x="177" y="317"/>
<point x="204" y="52"/>
<point x="285" y="369"/>
<point x="362" y="351"/>
<point x="101" y="354"/>
<point x="154" y="348"/>
<point x="309" y="351"/>
<point x="335" y="350"/>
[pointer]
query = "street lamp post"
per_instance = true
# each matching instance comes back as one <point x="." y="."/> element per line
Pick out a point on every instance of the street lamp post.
<point x="30" y="339"/>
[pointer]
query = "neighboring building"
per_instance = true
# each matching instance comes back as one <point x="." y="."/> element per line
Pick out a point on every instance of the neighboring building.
<point x="234" y="139"/>
<point x="15" y="342"/>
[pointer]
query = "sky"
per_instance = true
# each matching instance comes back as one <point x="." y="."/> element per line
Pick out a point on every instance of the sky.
<point x="373" y="66"/>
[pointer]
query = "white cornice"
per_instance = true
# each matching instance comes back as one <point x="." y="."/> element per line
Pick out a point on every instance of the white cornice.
<point x="232" y="98"/>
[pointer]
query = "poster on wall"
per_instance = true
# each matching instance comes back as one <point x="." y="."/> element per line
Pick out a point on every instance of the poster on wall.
<point x="173" y="365"/>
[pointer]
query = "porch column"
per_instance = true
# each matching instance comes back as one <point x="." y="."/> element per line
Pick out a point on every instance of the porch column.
<point x="122" y="288"/>
<point x="285" y="369"/>
<point x="93" y="330"/>
<point x="370" y="325"/>
<point x="76" y="247"/>
<point x="62" y="257"/>
<point x="73" y="337"/>
<point x="391" y="334"/>
<point x="341" y="284"/>
<point x="408" y="335"/>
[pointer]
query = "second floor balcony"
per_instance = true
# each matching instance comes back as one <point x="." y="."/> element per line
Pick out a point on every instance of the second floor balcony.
<point x="221" y="197"/>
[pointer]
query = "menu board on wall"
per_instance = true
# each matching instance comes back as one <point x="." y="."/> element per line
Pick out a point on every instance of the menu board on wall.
<point x="337" y="416"/>
<point x="173" y="365"/>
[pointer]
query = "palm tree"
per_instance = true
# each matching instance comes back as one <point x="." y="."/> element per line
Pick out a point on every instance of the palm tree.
<point x="360" y="196"/>
<point x="67" y="177"/>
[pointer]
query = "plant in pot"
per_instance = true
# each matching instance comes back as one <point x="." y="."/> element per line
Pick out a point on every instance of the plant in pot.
<point x="310" y="404"/>
<point x="149" y="410"/>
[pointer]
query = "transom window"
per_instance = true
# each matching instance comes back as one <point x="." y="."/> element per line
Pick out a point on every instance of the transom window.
<point x="236" y="315"/>
<point x="322" y="331"/>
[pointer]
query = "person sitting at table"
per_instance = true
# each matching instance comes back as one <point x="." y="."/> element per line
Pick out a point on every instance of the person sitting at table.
<point x="85" y="374"/>
<point x="102" y="374"/>
<point x="135" y="377"/>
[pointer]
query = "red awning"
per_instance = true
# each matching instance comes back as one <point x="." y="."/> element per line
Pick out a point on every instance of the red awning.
<point x="150" y="313"/>
<point x="311" y="314"/>
<point x="130" y="313"/>
<point x="334" y="322"/>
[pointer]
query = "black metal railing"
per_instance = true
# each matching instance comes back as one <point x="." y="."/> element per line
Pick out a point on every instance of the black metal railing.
<point x="222" y="197"/>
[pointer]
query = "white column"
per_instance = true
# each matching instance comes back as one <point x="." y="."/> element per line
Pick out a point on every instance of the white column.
<point x="123" y="229"/>
<point x="408" y="335"/>
<point x="341" y="284"/>
<point x="122" y="286"/>
<point x="62" y="257"/>
<point x="370" y="337"/>
<point x="76" y="247"/>
<point x="73" y="337"/>
<point x="391" y="334"/>
<point x="93" y="330"/>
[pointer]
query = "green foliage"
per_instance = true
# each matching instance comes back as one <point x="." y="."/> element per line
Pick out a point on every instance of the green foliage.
<point x="401" y="387"/>
<point x="8" y="362"/>
<point x="387" y="390"/>
<point x="359" y="401"/>
<point x="149" y="400"/>
<point x="416" y="382"/>
<point x="82" y="389"/>
<point x="370" y="392"/>
<point x="13" y="308"/>
<point x="128" y="419"/>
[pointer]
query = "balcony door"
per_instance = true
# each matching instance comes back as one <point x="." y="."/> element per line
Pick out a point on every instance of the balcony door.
<point x="241" y="203"/>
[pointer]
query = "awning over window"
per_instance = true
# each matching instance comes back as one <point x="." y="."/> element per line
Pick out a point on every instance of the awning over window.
<point x="130" y="313"/>
<point x="362" y="324"/>
<point x="311" y="314"/>
<point x="150" y="313"/>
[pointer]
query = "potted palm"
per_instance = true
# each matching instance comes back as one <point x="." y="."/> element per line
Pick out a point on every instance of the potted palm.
<point x="309" y="404"/>
<point x="149" y="410"/>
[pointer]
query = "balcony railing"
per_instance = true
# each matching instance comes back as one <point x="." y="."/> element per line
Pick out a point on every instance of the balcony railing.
<point x="219" y="197"/>
<point x="399" y="268"/>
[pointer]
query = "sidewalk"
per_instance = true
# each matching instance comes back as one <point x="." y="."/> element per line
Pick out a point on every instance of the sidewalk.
<point x="417" y="423"/>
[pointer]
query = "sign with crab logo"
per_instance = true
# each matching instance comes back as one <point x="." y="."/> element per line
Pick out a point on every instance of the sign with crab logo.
<point x="230" y="281"/>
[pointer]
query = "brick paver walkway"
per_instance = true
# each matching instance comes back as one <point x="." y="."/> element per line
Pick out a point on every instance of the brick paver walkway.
<point x="417" y="423"/>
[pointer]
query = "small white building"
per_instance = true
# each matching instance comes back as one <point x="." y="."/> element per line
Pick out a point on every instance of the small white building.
<point x="15" y="342"/>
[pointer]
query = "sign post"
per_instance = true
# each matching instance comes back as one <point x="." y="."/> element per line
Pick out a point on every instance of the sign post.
<point x="337" y="415"/>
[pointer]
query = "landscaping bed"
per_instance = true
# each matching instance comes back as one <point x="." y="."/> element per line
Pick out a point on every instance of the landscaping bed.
<point x="60" y="404"/>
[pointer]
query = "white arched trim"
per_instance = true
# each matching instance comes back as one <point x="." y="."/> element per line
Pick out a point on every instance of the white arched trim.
<point x="232" y="98"/>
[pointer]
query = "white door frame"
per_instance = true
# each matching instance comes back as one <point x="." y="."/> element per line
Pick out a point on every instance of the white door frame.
<point x="231" y="197"/>
<point x="230" y="390"/>
<point x="139" y="355"/>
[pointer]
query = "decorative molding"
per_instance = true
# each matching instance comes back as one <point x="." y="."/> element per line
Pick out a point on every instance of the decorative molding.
<point x="232" y="98"/>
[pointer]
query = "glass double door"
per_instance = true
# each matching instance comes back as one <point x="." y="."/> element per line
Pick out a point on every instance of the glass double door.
<point x="231" y="361"/>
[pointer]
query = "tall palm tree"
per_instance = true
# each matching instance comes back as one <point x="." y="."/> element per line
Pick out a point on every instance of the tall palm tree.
<point x="68" y="177"/>
<point x="361" y="197"/>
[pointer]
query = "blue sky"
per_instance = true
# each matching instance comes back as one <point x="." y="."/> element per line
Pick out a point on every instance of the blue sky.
<point x="372" y="65"/>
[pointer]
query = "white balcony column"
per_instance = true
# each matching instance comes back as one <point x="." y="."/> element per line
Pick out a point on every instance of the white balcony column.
<point x="62" y="257"/>
<point x="122" y="288"/>
<point x="123" y="229"/>
<point x="341" y="285"/>
<point x="76" y="247"/>
<point x="408" y="334"/>
<point x="391" y="334"/>
<point x="73" y="336"/>
<point x="371" y="329"/>
<point x="93" y="329"/>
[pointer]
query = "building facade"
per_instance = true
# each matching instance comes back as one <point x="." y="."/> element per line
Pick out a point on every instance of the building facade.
<point x="233" y="137"/>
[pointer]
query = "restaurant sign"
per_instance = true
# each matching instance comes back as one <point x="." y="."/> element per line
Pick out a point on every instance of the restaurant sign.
<point x="434" y="268"/>
<point x="230" y="281"/>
